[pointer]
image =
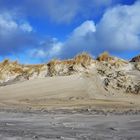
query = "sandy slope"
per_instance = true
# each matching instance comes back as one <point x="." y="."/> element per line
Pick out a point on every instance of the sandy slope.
<point x="75" y="91"/>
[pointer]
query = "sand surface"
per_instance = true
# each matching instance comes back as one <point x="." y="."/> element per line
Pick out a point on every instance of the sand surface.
<point x="42" y="126"/>
<point x="66" y="92"/>
<point x="75" y="107"/>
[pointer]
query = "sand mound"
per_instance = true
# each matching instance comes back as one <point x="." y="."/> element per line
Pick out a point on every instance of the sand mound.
<point x="80" y="63"/>
<point x="104" y="57"/>
<point x="76" y="82"/>
<point x="114" y="72"/>
<point x="64" y="92"/>
<point x="136" y="59"/>
<point x="14" y="72"/>
<point x="136" y="62"/>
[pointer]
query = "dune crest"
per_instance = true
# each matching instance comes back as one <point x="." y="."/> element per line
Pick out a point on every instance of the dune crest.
<point x="115" y="73"/>
<point x="81" y="82"/>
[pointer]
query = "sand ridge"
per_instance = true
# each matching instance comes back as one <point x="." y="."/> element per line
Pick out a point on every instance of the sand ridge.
<point x="81" y="82"/>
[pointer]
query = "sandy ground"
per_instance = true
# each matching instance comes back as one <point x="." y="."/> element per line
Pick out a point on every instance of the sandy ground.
<point x="67" y="108"/>
<point x="66" y="92"/>
<point x="42" y="126"/>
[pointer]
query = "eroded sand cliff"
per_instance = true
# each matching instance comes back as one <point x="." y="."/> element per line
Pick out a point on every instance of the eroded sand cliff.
<point x="77" y="83"/>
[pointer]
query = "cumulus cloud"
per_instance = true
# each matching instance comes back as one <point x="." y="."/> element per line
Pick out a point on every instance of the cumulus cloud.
<point x="76" y="42"/>
<point x="64" y="11"/>
<point x="47" y="49"/>
<point x="14" y="35"/>
<point x="26" y="27"/>
<point x="119" y="29"/>
<point x="68" y="10"/>
<point x="84" y="28"/>
<point x="117" y="32"/>
<point x="81" y="39"/>
<point x="9" y="24"/>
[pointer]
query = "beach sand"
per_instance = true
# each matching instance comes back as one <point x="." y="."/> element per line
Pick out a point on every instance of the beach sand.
<point x="65" y="92"/>
<point x="67" y="108"/>
<point x="64" y="126"/>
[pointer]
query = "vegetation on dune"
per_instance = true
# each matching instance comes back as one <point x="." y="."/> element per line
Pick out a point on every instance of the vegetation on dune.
<point x="68" y="67"/>
<point x="111" y="69"/>
<point x="136" y="59"/>
<point x="83" y="58"/>
<point x="104" y="57"/>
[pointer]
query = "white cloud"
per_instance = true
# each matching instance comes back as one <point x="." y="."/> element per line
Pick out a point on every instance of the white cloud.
<point x="60" y="11"/>
<point x="65" y="11"/>
<point x="26" y="27"/>
<point x="76" y="42"/>
<point x="49" y="49"/>
<point x="14" y="34"/>
<point x="8" y="24"/>
<point x="119" y="29"/>
<point x="56" y="49"/>
<point x="84" y="28"/>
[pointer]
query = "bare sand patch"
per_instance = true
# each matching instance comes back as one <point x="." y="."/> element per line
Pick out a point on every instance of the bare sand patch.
<point x="66" y="92"/>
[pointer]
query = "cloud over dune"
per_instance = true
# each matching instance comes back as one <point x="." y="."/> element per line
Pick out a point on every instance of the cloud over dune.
<point x="15" y="35"/>
<point x="118" y="31"/>
<point x="94" y="26"/>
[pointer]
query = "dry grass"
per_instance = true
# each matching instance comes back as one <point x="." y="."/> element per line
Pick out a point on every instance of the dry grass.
<point x="83" y="59"/>
<point x="54" y="62"/>
<point x="104" y="57"/>
<point x="118" y="63"/>
<point x="81" y="63"/>
<point x="66" y="67"/>
<point x="30" y="70"/>
<point x="5" y="62"/>
<point x="69" y="62"/>
<point x="17" y="70"/>
<point x="10" y="69"/>
<point x="54" y="67"/>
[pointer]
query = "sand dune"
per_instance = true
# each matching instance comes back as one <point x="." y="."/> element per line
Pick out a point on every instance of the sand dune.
<point x="71" y="92"/>
<point x="81" y="82"/>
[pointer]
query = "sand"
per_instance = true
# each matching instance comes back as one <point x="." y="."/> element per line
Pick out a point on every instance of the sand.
<point x="42" y="126"/>
<point x="75" y="107"/>
<point x="64" y="92"/>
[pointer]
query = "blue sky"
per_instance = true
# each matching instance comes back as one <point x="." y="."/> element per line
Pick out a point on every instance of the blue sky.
<point x="35" y="31"/>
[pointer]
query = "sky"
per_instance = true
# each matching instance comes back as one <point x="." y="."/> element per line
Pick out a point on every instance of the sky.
<point x="36" y="31"/>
